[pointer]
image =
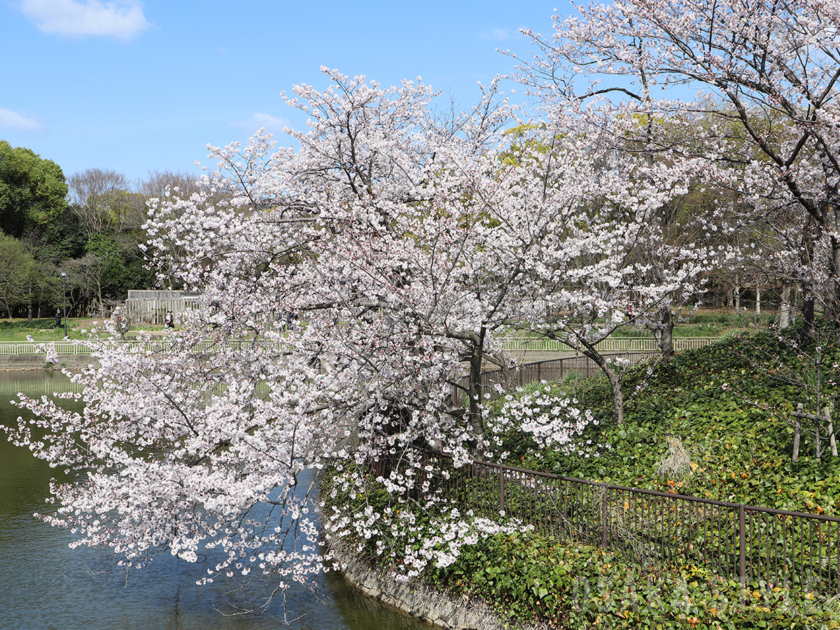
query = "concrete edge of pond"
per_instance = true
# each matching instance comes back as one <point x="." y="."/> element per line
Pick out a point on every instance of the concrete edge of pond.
<point x="418" y="600"/>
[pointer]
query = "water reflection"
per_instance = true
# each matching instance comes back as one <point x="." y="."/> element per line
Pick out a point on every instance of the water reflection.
<point x="43" y="584"/>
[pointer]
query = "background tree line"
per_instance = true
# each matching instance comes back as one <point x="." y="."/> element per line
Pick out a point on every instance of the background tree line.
<point x="88" y="226"/>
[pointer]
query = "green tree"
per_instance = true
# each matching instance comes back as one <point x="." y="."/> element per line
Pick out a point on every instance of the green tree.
<point x="44" y="287"/>
<point x="15" y="268"/>
<point x="32" y="190"/>
<point x="122" y="267"/>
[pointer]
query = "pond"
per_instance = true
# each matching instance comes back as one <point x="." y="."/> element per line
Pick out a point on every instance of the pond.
<point x="44" y="584"/>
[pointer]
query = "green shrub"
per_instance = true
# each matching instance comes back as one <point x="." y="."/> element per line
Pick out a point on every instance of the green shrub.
<point x="528" y="577"/>
<point x="27" y="326"/>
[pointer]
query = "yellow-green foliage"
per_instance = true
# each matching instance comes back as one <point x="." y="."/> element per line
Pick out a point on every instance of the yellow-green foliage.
<point x="528" y="577"/>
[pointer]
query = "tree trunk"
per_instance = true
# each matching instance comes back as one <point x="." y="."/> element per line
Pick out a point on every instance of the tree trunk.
<point x="476" y="420"/>
<point x="832" y="310"/>
<point x="29" y="310"/>
<point x="617" y="396"/>
<point x="737" y="293"/>
<point x="784" y="308"/>
<point x="757" y="300"/>
<point x="615" y="382"/>
<point x="810" y="328"/>
<point x="666" y="333"/>
<point x="810" y="234"/>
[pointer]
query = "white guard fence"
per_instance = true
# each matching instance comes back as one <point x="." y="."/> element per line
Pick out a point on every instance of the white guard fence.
<point x="626" y="344"/>
<point x="153" y="311"/>
<point x="69" y="347"/>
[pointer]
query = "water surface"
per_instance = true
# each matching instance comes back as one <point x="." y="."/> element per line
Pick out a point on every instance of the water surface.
<point x="46" y="585"/>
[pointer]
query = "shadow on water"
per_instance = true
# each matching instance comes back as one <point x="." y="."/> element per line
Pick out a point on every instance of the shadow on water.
<point x="46" y="585"/>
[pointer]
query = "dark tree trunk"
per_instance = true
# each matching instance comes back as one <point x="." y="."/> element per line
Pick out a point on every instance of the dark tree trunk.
<point x="832" y="307"/>
<point x="810" y="235"/>
<point x="476" y="420"/>
<point x="614" y="380"/>
<point x="666" y="332"/>
<point x="810" y="328"/>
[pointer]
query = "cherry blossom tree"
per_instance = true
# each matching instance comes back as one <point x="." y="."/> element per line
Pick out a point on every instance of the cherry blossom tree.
<point x="371" y="235"/>
<point x="770" y="71"/>
<point x="347" y="285"/>
<point x="601" y="277"/>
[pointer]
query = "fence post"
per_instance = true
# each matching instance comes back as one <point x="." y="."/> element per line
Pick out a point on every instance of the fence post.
<point x="742" y="534"/>
<point x="604" y="490"/>
<point x="501" y="489"/>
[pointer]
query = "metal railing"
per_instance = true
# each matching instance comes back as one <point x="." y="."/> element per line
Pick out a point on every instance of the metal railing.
<point x="551" y="371"/>
<point x="627" y="344"/>
<point x="737" y="541"/>
<point x="613" y="344"/>
<point x="25" y="348"/>
<point x="71" y="348"/>
<point x="750" y="543"/>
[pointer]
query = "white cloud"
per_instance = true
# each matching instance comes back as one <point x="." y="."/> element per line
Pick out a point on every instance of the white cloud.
<point x="16" y="121"/>
<point x="271" y="123"/>
<point x="496" y="34"/>
<point x="122" y="19"/>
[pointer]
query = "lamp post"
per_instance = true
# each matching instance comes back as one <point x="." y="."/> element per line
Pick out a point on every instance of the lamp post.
<point x="64" y="296"/>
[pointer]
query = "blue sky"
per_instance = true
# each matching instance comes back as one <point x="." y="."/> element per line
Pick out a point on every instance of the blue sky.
<point x="146" y="86"/>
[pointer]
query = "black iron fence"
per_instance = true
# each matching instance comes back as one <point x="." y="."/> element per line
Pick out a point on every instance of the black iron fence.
<point x="550" y="371"/>
<point x="743" y="542"/>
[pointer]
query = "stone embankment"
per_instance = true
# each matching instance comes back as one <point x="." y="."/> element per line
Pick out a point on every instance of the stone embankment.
<point x="421" y="601"/>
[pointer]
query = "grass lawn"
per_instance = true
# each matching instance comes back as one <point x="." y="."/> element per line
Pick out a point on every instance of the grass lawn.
<point x="703" y="323"/>
<point x="44" y="329"/>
